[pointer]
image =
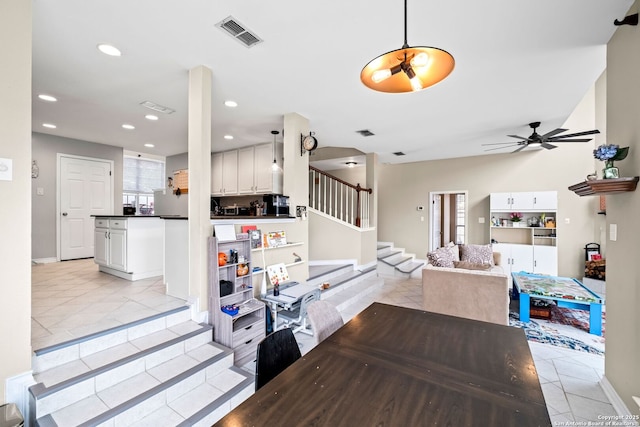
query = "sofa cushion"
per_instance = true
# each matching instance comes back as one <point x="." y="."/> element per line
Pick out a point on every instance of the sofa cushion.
<point x="455" y="250"/>
<point x="477" y="254"/>
<point x="441" y="257"/>
<point x="471" y="265"/>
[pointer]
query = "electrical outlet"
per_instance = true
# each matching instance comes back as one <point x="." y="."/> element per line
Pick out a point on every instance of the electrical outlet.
<point x="481" y="220"/>
<point x="613" y="232"/>
<point x="40" y="191"/>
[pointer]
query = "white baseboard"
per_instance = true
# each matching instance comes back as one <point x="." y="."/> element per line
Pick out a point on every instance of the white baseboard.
<point x="44" y="260"/>
<point x="617" y="402"/>
<point x="18" y="392"/>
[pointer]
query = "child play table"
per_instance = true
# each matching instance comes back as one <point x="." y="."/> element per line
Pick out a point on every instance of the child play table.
<point x="565" y="291"/>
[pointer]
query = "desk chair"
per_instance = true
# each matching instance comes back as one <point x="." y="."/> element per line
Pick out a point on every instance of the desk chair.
<point x="298" y="315"/>
<point x="325" y="319"/>
<point x="275" y="353"/>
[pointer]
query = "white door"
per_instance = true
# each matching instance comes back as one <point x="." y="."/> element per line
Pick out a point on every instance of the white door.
<point x="118" y="249"/>
<point x="101" y="243"/>
<point x="85" y="189"/>
<point x="245" y="171"/>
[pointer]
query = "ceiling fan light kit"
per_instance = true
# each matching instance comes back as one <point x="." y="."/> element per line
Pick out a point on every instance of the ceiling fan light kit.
<point x="408" y="69"/>
<point x="545" y="141"/>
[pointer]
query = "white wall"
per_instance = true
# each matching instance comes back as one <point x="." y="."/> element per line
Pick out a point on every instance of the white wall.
<point x="15" y="214"/>
<point x="403" y="187"/>
<point x="622" y="361"/>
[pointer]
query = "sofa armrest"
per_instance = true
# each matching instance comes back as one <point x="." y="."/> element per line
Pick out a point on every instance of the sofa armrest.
<point x="478" y="295"/>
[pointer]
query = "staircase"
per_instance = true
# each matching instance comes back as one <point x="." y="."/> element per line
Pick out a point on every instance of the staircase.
<point x="346" y="284"/>
<point x="394" y="261"/>
<point x="162" y="370"/>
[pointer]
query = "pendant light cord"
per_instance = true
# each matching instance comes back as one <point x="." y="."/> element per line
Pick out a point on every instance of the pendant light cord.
<point x="405" y="45"/>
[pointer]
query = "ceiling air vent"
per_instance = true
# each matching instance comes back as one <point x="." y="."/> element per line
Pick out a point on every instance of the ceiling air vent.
<point x="399" y="153"/>
<point x="365" y="132"/>
<point x="239" y="31"/>
<point x="157" y="107"/>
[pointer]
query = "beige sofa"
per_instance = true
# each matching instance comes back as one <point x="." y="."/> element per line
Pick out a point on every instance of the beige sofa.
<point x="473" y="294"/>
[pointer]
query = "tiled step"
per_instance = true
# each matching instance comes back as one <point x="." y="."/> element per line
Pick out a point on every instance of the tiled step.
<point x="346" y="280"/>
<point x="410" y="267"/>
<point x="352" y="294"/>
<point x="396" y="260"/>
<point x="393" y="253"/>
<point x="322" y="273"/>
<point x="163" y="370"/>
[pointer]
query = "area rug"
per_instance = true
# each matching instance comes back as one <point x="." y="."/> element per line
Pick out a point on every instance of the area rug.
<point x="560" y="331"/>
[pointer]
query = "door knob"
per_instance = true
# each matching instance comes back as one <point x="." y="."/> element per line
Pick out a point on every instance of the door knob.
<point x="64" y="214"/>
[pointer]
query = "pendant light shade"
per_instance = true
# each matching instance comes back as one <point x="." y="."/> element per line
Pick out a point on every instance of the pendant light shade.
<point x="274" y="165"/>
<point x="408" y="69"/>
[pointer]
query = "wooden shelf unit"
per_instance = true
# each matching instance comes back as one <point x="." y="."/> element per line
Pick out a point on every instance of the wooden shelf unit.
<point x="605" y="186"/>
<point x="243" y="331"/>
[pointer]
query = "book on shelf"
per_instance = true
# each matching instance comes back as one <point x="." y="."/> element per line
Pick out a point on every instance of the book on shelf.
<point x="276" y="238"/>
<point x="256" y="238"/>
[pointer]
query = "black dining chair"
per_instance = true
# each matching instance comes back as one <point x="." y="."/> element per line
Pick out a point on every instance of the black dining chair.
<point x="275" y="353"/>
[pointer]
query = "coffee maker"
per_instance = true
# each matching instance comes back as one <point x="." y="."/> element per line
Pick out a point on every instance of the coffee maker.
<point x="276" y="204"/>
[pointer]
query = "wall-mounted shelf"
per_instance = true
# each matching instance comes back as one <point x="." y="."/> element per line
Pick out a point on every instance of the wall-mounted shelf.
<point x="288" y="245"/>
<point x="605" y="186"/>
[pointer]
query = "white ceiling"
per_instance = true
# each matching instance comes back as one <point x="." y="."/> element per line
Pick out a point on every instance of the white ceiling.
<point x="516" y="62"/>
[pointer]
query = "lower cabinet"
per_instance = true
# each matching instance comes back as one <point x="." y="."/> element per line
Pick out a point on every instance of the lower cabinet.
<point x="130" y="248"/>
<point x="528" y="258"/>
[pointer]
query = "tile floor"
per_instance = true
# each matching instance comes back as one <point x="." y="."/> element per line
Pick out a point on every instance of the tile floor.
<point x="71" y="299"/>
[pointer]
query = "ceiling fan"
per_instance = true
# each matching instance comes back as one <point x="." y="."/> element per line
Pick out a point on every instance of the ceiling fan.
<point x="545" y="141"/>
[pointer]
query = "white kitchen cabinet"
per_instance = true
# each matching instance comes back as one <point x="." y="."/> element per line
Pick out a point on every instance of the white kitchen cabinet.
<point x="515" y="257"/>
<point x="545" y="260"/>
<point x="224" y="173"/>
<point x="216" y="174"/>
<point x="545" y="200"/>
<point x="246" y="170"/>
<point x="129" y="247"/>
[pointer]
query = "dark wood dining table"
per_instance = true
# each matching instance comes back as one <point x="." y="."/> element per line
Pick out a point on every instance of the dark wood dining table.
<point x="395" y="366"/>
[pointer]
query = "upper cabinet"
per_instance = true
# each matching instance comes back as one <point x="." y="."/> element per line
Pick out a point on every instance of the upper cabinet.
<point x="247" y="170"/>
<point x="224" y="173"/>
<point x="523" y="201"/>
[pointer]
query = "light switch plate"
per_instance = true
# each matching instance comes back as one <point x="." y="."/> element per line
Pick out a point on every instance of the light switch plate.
<point x="481" y="220"/>
<point x="40" y="191"/>
<point x="6" y="169"/>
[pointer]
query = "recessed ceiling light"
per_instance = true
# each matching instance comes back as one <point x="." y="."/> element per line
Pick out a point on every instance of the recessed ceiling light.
<point x="228" y="137"/>
<point x="49" y="98"/>
<point x="351" y="164"/>
<point x="108" y="49"/>
<point x="151" y="117"/>
<point x="231" y="103"/>
<point x="128" y="126"/>
<point x="149" y="145"/>
<point x="49" y="125"/>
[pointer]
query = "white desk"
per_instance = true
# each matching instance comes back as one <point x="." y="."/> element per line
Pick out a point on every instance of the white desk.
<point x="289" y="295"/>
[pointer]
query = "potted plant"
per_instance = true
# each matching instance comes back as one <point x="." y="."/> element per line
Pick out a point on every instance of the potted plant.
<point x="515" y="218"/>
<point x="608" y="153"/>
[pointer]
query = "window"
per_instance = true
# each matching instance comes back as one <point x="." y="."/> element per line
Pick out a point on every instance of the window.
<point x="142" y="175"/>
<point x="460" y="203"/>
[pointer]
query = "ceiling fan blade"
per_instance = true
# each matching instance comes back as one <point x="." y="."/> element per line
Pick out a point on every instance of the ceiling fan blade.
<point x="553" y="132"/>
<point x="548" y="146"/>
<point x="569" y="140"/>
<point x="500" y="148"/>
<point x="588" y="132"/>
<point x="519" y="137"/>
<point x="501" y="143"/>
<point x="519" y="149"/>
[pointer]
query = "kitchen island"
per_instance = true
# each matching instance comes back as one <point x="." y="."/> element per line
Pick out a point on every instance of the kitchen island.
<point x="129" y="246"/>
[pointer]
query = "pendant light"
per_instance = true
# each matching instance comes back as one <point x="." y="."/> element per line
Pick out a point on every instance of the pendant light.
<point x="274" y="166"/>
<point x="421" y="66"/>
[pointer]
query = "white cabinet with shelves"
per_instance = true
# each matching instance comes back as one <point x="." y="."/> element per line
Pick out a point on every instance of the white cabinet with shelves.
<point x="130" y="248"/>
<point x="248" y="170"/>
<point x="242" y="331"/>
<point x="525" y="248"/>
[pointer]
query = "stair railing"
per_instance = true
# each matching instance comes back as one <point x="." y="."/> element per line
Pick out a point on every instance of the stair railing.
<point x="339" y="199"/>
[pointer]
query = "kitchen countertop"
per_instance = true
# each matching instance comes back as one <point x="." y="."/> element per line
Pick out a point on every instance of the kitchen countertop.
<point x="126" y="216"/>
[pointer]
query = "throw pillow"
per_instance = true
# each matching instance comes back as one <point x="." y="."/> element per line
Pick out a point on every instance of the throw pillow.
<point x="441" y="257"/>
<point x="455" y="250"/>
<point x="471" y="265"/>
<point x="477" y="254"/>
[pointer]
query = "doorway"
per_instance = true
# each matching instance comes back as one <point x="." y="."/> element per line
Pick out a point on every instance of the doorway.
<point x="448" y="218"/>
<point x="84" y="188"/>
